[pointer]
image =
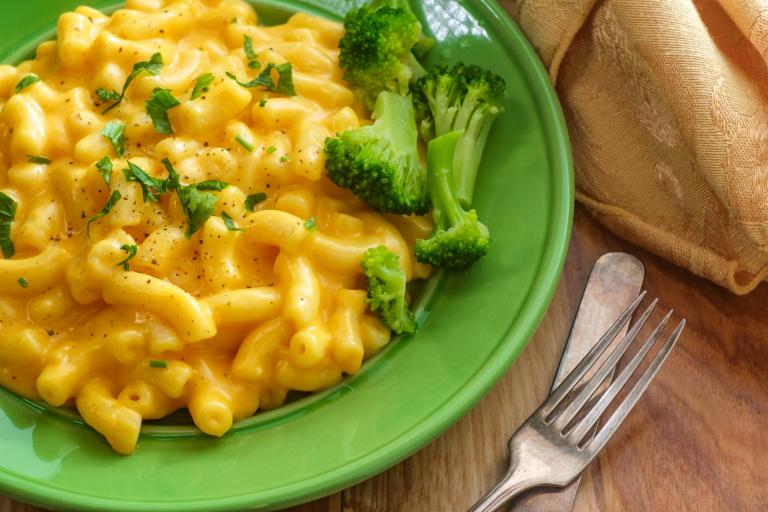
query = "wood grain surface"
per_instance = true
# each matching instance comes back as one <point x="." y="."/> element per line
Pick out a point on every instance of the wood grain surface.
<point x="695" y="442"/>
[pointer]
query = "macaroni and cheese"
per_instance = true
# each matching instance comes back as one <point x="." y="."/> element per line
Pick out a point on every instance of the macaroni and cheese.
<point x="168" y="238"/>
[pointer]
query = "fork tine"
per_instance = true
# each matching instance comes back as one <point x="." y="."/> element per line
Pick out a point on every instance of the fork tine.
<point x="563" y="418"/>
<point x="589" y="421"/>
<point x="621" y="412"/>
<point x="578" y="372"/>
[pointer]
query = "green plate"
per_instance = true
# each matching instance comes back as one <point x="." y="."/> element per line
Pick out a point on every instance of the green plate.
<point x="474" y="325"/>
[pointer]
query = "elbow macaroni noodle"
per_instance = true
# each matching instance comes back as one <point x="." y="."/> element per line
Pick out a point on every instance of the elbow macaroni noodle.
<point x="224" y="322"/>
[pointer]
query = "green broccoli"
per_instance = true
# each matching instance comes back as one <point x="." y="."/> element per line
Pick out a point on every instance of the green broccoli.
<point x="377" y="50"/>
<point x="459" y="239"/>
<point x="385" y="281"/>
<point x="466" y="98"/>
<point x="380" y="162"/>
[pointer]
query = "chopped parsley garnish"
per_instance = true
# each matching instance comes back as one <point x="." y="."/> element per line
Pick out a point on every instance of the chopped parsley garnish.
<point x="197" y="203"/>
<point x="158" y="363"/>
<point x="263" y="103"/>
<point x="198" y="207"/>
<point x="151" y="188"/>
<point x="174" y="181"/>
<point x="230" y="222"/>
<point x="202" y="85"/>
<point x="253" y="59"/>
<point x="211" y="185"/>
<point x="111" y="202"/>
<point x="311" y="224"/>
<point x="23" y="282"/>
<point x="271" y="149"/>
<point x="158" y="106"/>
<point x="105" y="95"/>
<point x="254" y="199"/>
<point x="7" y="213"/>
<point x="247" y="145"/>
<point x="263" y="80"/>
<point x="105" y="169"/>
<point x="151" y="66"/>
<point x="284" y="83"/>
<point x="131" y="250"/>
<point x="38" y="159"/>
<point x="284" y="159"/>
<point x="114" y="131"/>
<point x="26" y="82"/>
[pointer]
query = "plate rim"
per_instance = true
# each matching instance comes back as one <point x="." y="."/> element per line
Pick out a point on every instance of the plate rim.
<point x="509" y="347"/>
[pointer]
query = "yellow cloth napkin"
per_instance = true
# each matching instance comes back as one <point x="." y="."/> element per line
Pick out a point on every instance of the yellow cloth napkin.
<point x="667" y="107"/>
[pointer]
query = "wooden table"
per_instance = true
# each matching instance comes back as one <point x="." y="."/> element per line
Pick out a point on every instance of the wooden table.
<point x="696" y="441"/>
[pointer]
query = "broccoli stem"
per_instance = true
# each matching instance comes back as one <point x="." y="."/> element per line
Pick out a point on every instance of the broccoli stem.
<point x="446" y="209"/>
<point x="394" y="117"/>
<point x="416" y="68"/>
<point x="468" y="155"/>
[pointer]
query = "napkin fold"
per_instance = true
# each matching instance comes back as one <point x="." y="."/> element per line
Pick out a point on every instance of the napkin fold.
<point x="667" y="106"/>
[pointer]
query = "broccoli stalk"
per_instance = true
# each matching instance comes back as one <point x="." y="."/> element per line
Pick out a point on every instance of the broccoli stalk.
<point x="376" y="51"/>
<point x="459" y="239"/>
<point x="380" y="162"/>
<point x="385" y="282"/>
<point x="465" y="98"/>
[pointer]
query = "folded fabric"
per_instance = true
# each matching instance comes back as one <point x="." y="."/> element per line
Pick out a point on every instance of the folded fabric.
<point x="667" y="106"/>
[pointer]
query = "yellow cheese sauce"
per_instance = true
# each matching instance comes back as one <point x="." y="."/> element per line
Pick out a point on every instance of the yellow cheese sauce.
<point x="226" y="320"/>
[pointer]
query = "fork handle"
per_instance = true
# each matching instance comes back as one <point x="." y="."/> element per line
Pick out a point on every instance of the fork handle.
<point x="514" y="482"/>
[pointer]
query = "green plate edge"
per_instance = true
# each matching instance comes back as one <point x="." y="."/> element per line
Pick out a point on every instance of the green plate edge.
<point x="516" y="338"/>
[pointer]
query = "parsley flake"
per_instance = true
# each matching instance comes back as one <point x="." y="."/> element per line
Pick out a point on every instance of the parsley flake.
<point x="111" y="202"/>
<point x="254" y="199"/>
<point x="263" y="103"/>
<point x="26" y="82"/>
<point x="114" y="131"/>
<point x="151" y="66"/>
<point x="37" y="159"/>
<point x="284" y="83"/>
<point x="158" y="106"/>
<point x="211" y="185"/>
<point x="202" y="85"/>
<point x="263" y="80"/>
<point x="23" y="282"/>
<point x="7" y="213"/>
<point x="105" y="95"/>
<point x="198" y="207"/>
<point x="172" y="183"/>
<point x="158" y="363"/>
<point x="247" y="145"/>
<point x="311" y="224"/>
<point x="271" y="149"/>
<point x="105" y="169"/>
<point x="131" y="250"/>
<point x="253" y="59"/>
<point x="284" y="159"/>
<point x="151" y="188"/>
<point x="230" y="222"/>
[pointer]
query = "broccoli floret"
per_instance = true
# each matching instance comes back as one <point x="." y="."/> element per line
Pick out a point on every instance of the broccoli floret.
<point x="464" y="97"/>
<point x="385" y="280"/>
<point x="377" y="50"/>
<point x="380" y="162"/>
<point x="459" y="239"/>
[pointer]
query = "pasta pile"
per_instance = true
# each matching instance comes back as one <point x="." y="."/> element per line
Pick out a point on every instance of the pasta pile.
<point x="168" y="237"/>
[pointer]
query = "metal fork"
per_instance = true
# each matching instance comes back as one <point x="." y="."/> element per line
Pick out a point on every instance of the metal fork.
<point x="554" y="445"/>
